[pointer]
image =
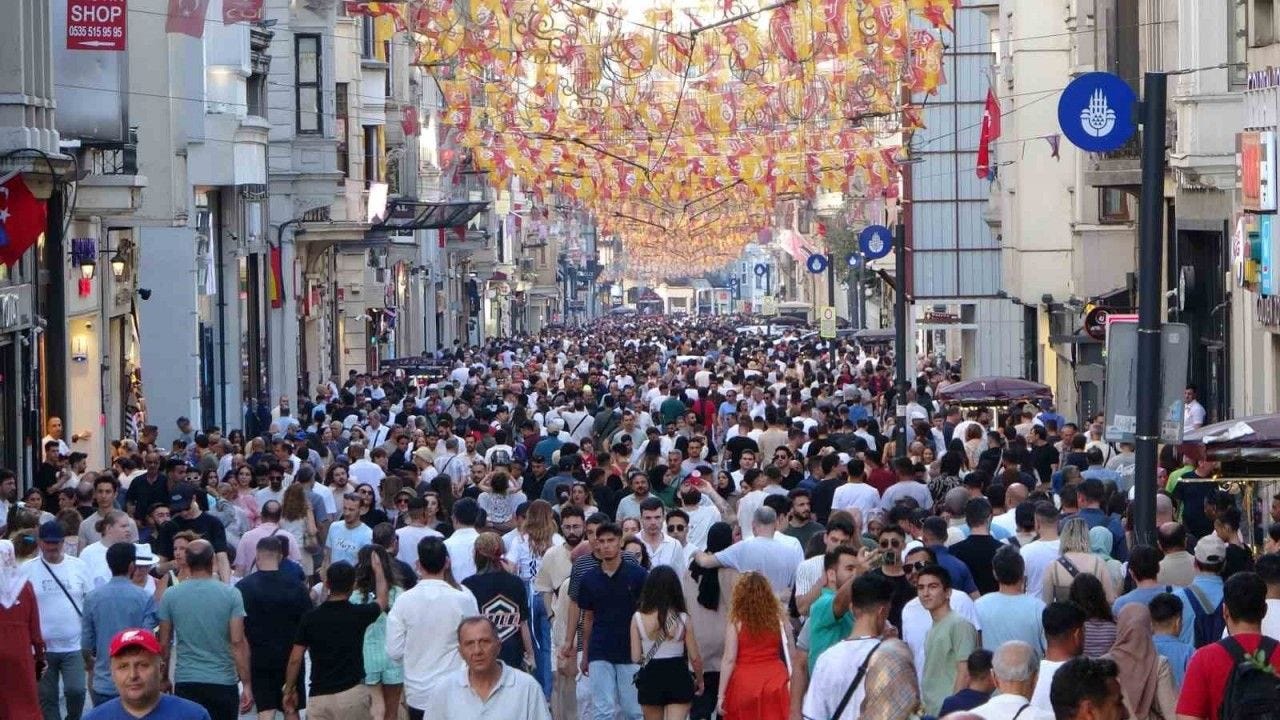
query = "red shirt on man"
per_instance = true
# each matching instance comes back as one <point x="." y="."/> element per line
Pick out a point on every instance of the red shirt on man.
<point x="1210" y="668"/>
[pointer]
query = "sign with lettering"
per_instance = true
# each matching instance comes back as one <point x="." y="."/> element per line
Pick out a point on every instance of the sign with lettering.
<point x="96" y="25"/>
<point x="1256" y="151"/>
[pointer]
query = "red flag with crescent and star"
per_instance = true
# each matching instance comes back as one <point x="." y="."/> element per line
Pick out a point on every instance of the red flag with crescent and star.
<point x="22" y="218"/>
<point x="990" y="131"/>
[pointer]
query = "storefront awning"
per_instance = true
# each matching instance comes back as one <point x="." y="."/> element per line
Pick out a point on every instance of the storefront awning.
<point x="414" y="215"/>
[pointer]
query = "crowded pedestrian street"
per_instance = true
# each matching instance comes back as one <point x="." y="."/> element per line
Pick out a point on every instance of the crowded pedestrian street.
<point x="643" y="360"/>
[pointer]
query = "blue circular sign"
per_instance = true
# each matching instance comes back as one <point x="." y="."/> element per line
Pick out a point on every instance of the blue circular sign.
<point x="855" y="259"/>
<point x="1095" y="112"/>
<point x="761" y="268"/>
<point x="875" y="241"/>
<point x="816" y="263"/>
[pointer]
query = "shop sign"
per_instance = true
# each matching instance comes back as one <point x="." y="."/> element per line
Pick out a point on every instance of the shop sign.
<point x="15" y="307"/>
<point x="96" y="25"/>
<point x="1257" y="154"/>
<point x="941" y="318"/>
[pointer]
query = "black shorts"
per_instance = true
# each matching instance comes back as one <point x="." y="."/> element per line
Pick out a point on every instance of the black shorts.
<point x="267" y="683"/>
<point x="222" y="701"/>
<point x="667" y="681"/>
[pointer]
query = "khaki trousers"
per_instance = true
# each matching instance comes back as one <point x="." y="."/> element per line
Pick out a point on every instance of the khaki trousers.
<point x="346" y="705"/>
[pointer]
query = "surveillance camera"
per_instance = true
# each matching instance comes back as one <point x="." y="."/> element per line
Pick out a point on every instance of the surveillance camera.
<point x="144" y="293"/>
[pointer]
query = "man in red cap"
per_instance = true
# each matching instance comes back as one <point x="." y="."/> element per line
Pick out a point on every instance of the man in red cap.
<point x="138" y="672"/>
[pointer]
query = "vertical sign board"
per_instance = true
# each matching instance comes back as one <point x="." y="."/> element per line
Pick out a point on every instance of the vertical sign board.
<point x="827" y="322"/>
<point x="1257" y="157"/>
<point x="1121" y="394"/>
<point x="768" y="305"/>
<point x="96" y="25"/>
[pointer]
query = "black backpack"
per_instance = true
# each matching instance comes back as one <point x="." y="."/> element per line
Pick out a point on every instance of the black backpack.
<point x="1209" y="621"/>
<point x="1253" y="688"/>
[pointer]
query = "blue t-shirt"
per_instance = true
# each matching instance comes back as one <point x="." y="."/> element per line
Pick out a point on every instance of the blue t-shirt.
<point x="170" y="708"/>
<point x="961" y="578"/>
<point x="1010" y="617"/>
<point x="201" y="610"/>
<point x="966" y="699"/>
<point x="1139" y="595"/>
<point x="1176" y="652"/>
<point x="344" y="543"/>
<point x="612" y="601"/>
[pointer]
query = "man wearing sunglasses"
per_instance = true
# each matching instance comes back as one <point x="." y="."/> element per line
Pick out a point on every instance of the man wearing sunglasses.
<point x="917" y="620"/>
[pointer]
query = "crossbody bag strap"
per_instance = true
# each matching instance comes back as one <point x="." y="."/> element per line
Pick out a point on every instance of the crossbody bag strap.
<point x="581" y="420"/>
<point x="61" y="587"/>
<point x="857" y="680"/>
<point x="254" y="564"/>
<point x="653" y="649"/>
<point x="1024" y="707"/>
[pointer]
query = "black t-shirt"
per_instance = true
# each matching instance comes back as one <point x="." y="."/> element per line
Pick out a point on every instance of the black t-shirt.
<point x="903" y="592"/>
<point x="976" y="552"/>
<point x="501" y="597"/>
<point x="274" y="603"/>
<point x="823" y="495"/>
<point x="205" y="525"/>
<point x="334" y="634"/>
<point x="143" y="494"/>
<point x="1043" y="458"/>
<point x="1191" y="495"/>
<point x="804" y="533"/>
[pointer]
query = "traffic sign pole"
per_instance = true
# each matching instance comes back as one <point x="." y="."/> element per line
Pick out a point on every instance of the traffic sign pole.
<point x="1150" y="262"/>
<point x="900" y="336"/>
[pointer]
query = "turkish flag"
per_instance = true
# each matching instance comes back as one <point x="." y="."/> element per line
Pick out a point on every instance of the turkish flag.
<point x="22" y="218"/>
<point x="990" y="131"/>
<point x="409" y="123"/>
<point x="186" y="17"/>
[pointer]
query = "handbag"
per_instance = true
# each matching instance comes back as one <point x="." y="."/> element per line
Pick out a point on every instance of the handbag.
<point x="853" y="686"/>
<point x="640" y="677"/>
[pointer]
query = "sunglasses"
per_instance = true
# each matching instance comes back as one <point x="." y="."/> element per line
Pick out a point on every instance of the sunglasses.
<point x="675" y="528"/>
<point x="886" y="544"/>
<point x="916" y="566"/>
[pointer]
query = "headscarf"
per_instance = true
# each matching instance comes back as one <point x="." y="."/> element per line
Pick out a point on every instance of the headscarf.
<point x="1135" y="654"/>
<point x="1100" y="541"/>
<point x="719" y="537"/>
<point x="11" y="579"/>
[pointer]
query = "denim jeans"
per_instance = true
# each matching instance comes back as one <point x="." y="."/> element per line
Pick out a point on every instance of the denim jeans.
<point x="69" y="668"/>
<point x="612" y="689"/>
<point x="541" y="627"/>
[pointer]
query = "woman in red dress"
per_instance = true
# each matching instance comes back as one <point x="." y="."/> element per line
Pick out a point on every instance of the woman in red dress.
<point x="754" y="670"/>
<point x="21" y="644"/>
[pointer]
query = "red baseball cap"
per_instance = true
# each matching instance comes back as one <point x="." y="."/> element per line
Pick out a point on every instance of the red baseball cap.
<point x="134" y="637"/>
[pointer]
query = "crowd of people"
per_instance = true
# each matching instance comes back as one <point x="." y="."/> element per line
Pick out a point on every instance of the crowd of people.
<point x="648" y="518"/>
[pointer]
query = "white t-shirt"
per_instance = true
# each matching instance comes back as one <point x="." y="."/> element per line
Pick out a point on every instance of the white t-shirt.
<point x="1038" y="555"/>
<point x="833" y="672"/>
<point x="94" y="559"/>
<point x="856" y="495"/>
<point x="1040" y="698"/>
<point x="409" y="537"/>
<point x="59" y="621"/>
<point x="916" y="623"/>
<point x="808" y="574"/>
<point x="777" y="561"/>
<point x="701" y="519"/>
<point x="461" y="545"/>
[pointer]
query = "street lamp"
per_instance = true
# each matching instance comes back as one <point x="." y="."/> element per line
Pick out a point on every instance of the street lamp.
<point x="87" y="267"/>
<point x="117" y="265"/>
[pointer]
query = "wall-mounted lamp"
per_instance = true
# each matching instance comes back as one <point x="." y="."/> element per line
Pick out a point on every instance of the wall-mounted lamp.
<point x="87" y="267"/>
<point x="117" y="265"/>
<point x="80" y="349"/>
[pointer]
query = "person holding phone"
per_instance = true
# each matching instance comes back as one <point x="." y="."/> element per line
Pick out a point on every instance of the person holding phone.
<point x="890" y="542"/>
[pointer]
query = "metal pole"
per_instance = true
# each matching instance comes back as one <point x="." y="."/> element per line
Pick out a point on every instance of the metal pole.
<point x="900" y="336"/>
<point x="831" y="281"/>
<point x="1150" y="264"/>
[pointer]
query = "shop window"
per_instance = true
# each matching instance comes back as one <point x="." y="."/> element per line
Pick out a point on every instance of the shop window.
<point x="1262" y="29"/>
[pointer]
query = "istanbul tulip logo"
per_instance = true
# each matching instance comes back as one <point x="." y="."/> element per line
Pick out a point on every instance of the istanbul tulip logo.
<point x="1098" y="119"/>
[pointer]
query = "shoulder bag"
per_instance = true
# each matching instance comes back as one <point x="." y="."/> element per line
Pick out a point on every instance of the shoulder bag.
<point x="853" y="686"/>
<point x="62" y="587"/>
<point x="640" y="677"/>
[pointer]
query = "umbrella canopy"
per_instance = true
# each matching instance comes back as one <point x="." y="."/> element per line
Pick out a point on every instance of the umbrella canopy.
<point x="994" y="390"/>
<point x="1254" y="438"/>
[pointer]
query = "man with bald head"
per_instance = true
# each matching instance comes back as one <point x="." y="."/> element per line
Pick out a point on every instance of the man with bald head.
<point x="1015" y="667"/>
<point x="1014" y="495"/>
<point x="1164" y="509"/>
<point x="1177" y="567"/>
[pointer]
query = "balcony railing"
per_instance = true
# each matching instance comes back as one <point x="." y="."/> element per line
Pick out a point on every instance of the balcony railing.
<point x="111" y="158"/>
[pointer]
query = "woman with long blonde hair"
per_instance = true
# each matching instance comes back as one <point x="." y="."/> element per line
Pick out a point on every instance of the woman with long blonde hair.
<point x="755" y="667"/>
<point x="538" y="535"/>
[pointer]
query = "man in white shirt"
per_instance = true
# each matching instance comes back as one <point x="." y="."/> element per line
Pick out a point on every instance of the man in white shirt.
<point x="422" y="627"/>
<point x="663" y="549"/>
<point x="377" y="433"/>
<point x="462" y="543"/>
<point x="768" y="482"/>
<point x="60" y="584"/>
<point x="856" y="493"/>
<point x="412" y="533"/>
<point x="486" y="687"/>
<point x="362" y="469"/>
<point x="1192" y="411"/>
<point x="1015" y="668"/>
<point x="1064" y="639"/>
<point x="760" y="553"/>
<point x="1039" y="554"/>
